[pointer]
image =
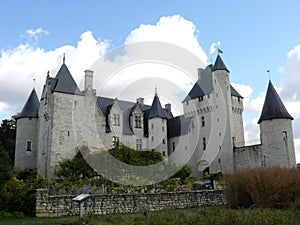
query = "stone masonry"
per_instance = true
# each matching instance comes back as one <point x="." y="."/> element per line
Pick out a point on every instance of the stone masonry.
<point x="62" y="205"/>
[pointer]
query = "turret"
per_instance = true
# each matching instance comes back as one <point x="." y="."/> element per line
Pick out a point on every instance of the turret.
<point x="222" y="123"/>
<point x="157" y="126"/>
<point x="26" y="137"/>
<point x="276" y="132"/>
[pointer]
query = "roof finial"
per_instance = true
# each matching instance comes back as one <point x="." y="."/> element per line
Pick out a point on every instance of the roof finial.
<point x="64" y="58"/>
<point x="268" y="71"/>
<point x="48" y="74"/>
<point x="33" y="83"/>
<point x="155" y="90"/>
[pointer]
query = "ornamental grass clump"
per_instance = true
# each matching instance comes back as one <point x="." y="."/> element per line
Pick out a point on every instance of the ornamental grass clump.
<point x="266" y="188"/>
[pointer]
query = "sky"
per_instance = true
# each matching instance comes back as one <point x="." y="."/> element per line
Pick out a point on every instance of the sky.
<point x="255" y="36"/>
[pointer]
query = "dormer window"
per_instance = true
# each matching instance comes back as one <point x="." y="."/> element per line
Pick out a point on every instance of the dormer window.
<point x="116" y="120"/>
<point x="138" y="121"/>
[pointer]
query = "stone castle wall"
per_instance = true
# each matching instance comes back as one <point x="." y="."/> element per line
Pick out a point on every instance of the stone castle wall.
<point x="63" y="205"/>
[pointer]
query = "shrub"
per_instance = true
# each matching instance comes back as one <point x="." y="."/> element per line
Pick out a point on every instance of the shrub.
<point x="19" y="194"/>
<point x="268" y="188"/>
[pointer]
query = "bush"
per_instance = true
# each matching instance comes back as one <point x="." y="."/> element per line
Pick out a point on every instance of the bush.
<point x="267" y="188"/>
<point x="19" y="195"/>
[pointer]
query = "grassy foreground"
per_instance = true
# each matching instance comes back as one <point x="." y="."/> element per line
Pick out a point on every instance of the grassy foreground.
<point x="205" y="216"/>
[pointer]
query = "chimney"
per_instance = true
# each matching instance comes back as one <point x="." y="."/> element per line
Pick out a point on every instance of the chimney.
<point x="200" y="71"/>
<point x="140" y="101"/>
<point x="168" y="107"/>
<point x="88" y="79"/>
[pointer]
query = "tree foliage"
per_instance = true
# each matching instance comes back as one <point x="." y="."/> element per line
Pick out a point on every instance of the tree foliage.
<point x="8" y="137"/>
<point x="74" y="169"/>
<point x="134" y="157"/>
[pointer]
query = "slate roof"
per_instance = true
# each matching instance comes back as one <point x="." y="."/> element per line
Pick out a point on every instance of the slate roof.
<point x="31" y="106"/>
<point x="65" y="82"/>
<point x="178" y="126"/>
<point x="273" y="106"/>
<point x="195" y="92"/>
<point x="127" y="107"/>
<point x="219" y="64"/>
<point x="156" y="110"/>
<point x="234" y="92"/>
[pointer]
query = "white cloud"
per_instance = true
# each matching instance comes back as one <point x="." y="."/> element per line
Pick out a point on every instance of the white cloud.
<point x="291" y="82"/>
<point x="172" y="29"/>
<point x="36" y="33"/>
<point x="20" y="65"/>
<point x="251" y="132"/>
<point x="213" y="47"/>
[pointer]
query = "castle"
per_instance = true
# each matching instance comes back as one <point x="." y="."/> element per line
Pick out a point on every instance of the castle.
<point x="211" y="126"/>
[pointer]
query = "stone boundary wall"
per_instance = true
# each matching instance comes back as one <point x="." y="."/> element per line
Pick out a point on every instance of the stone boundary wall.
<point x="62" y="205"/>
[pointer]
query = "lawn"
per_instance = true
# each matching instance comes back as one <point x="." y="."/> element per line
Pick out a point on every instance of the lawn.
<point x="199" y="216"/>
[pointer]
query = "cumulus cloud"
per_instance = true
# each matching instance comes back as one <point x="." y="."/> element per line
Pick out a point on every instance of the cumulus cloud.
<point x="166" y="54"/>
<point x="172" y="29"/>
<point x="20" y="65"/>
<point x="291" y="82"/>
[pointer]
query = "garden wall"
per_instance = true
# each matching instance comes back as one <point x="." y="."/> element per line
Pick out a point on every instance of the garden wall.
<point x="62" y="205"/>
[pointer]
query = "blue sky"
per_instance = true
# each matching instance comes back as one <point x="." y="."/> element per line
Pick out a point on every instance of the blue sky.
<point x="255" y="36"/>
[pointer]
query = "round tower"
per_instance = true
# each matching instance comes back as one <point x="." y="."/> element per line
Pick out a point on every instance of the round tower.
<point x="276" y="132"/>
<point x="157" y="127"/>
<point x="26" y="137"/>
<point x="222" y="113"/>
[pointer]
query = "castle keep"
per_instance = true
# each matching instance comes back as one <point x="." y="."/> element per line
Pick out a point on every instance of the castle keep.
<point x="211" y="126"/>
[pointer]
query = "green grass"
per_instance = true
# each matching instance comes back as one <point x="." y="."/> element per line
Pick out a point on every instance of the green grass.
<point x="198" y="216"/>
<point x="40" y="221"/>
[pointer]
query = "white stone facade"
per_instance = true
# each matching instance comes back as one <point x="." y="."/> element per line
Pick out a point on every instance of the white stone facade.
<point x="211" y="127"/>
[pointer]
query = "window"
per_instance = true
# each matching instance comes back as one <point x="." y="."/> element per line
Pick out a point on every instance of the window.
<point x="173" y="146"/>
<point x="203" y="143"/>
<point x="284" y="133"/>
<point x="163" y="129"/>
<point x="202" y="121"/>
<point x="28" y="146"/>
<point x="115" y="141"/>
<point x="164" y="153"/>
<point x="164" y="141"/>
<point x="152" y="126"/>
<point x="187" y="102"/>
<point x="152" y="138"/>
<point x="138" y="144"/>
<point x="138" y="121"/>
<point x="116" y="120"/>
<point x="200" y="99"/>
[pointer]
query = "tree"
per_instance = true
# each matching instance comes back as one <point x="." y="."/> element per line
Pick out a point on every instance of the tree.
<point x="8" y="137"/>
<point x="134" y="157"/>
<point x="6" y="168"/>
<point x="74" y="169"/>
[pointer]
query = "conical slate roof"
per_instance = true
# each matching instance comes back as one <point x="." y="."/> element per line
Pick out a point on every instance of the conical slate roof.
<point x="156" y="110"/>
<point x="31" y="106"/>
<point x="219" y="64"/>
<point x="195" y="92"/>
<point x="65" y="82"/>
<point x="273" y="106"/>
